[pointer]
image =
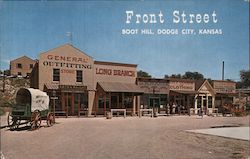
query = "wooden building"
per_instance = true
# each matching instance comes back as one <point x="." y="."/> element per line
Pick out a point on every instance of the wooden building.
<point x="22" y="66"/>
<point x="225" y="93"/>
<point x="156" y="94"/>
<point x="83" y="86"/>
<point x="190" y="96"/>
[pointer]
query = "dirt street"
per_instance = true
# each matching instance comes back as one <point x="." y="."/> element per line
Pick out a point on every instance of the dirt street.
<point x="129" y="138"/>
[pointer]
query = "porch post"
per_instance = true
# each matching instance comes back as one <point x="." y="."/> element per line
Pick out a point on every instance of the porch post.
<point x="134" y="104"/>
<point x="79" y="105"/>
<point x="73" y="103"/>
<point x="63" y="102"/>
<point x="138" y="104"/>
<point x="67" y="104"/>
<point x="195" y="104"/>
<point x="96" y="101"/>
<point x="213" y="103"/>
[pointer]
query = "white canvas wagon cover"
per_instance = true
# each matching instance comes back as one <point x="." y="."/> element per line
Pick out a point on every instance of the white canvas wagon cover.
<point x="37" y="99"/>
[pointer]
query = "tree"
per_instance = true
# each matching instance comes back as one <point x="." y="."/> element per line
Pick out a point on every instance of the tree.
<point x="173" y="76"/>
<point x="7" y="72"/>
<point x="193" y="75"/>
<point x="143" y="74"/>
<point x="187" y="75"/>
<point x="244" y="79"/>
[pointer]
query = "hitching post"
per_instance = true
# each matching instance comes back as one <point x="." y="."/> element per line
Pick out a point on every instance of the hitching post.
<point x="54" y="103"/>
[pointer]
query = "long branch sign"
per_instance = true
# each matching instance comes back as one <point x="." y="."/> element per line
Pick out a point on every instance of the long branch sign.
<point x="115" y="72"/>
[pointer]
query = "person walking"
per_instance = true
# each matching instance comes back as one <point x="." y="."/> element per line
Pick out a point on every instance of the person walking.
<point x="173" y="108"/>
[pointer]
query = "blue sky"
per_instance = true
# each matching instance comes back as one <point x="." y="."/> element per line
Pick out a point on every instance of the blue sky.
<point x="30" y="28"/>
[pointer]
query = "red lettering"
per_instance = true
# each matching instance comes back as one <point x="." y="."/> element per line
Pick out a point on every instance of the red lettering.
<point x="50" y="57"/>
<point x="62" y="58"/>
<point x="74" y="59"/>
<point x="69" y="59"/>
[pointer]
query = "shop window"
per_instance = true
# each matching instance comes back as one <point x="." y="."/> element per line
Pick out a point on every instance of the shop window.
<point x="101" y="103"/>
<point x="19" y="65"/>
<point x="31" y="66"/>
<point x="163" y="100"/>
<point x="209" y="102"/>
<point x="56" y="74"/>
<point x="128" y="101"/>
<point x="78" y="76"/>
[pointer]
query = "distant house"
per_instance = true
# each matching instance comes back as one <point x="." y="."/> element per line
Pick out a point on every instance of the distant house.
<point x="22" y="66"/>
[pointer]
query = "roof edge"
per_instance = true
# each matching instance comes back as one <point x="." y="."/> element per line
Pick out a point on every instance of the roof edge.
<point x="115" y="64"/>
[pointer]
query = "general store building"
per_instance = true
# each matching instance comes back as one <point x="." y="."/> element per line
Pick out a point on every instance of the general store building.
<point x="85" y="86"/>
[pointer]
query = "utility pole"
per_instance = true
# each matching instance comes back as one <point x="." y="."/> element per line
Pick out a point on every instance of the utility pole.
<point x="222" y="70"/>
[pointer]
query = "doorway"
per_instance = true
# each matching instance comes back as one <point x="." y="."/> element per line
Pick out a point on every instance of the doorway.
<point x="154" y="102"/>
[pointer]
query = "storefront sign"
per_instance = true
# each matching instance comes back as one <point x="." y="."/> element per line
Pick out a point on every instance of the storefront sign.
<point x="154" y="87"/>
<point x="224" y="87"/>
<point x="67" y="62"/>
<point x="68" y="71"/>
<point x="188" y="86"/>
<point x="115" y="72"/>
<point x="67" y="59"/>
<point x="72" y="88"/>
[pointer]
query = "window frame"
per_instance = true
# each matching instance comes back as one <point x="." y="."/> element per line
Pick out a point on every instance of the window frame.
<point x="55" y="76"/>
<point x="19" y="65"/>
<point x="79" y="77"/>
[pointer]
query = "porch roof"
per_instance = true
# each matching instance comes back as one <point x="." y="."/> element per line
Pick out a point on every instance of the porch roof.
<point x="120" y="87"/>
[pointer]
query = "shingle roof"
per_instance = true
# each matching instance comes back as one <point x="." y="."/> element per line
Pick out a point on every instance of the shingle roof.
<point x="120" y="87"/>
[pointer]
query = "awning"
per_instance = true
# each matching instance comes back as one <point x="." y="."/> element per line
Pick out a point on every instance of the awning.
<point x="51" y="86"/>
<point x="183" y="92"/>
<point x="120" y="87"/>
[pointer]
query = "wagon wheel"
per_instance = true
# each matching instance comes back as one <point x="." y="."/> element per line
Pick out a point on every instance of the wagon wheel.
<point x="35" y="120"/>
<point x="13" y="122"/>
<point x="50" y="119"/>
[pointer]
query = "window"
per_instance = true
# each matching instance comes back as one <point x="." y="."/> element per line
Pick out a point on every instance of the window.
<point x="209" y="102"/>
<point x="19" y="65"/>
<point x="31" y="66"/>
<point x="56" y="74"/>
<point x="101" y="102"/>
<point x="78" y="76"/>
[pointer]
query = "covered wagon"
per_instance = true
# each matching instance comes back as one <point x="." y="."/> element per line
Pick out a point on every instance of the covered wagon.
<point x="32" y="105"/>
